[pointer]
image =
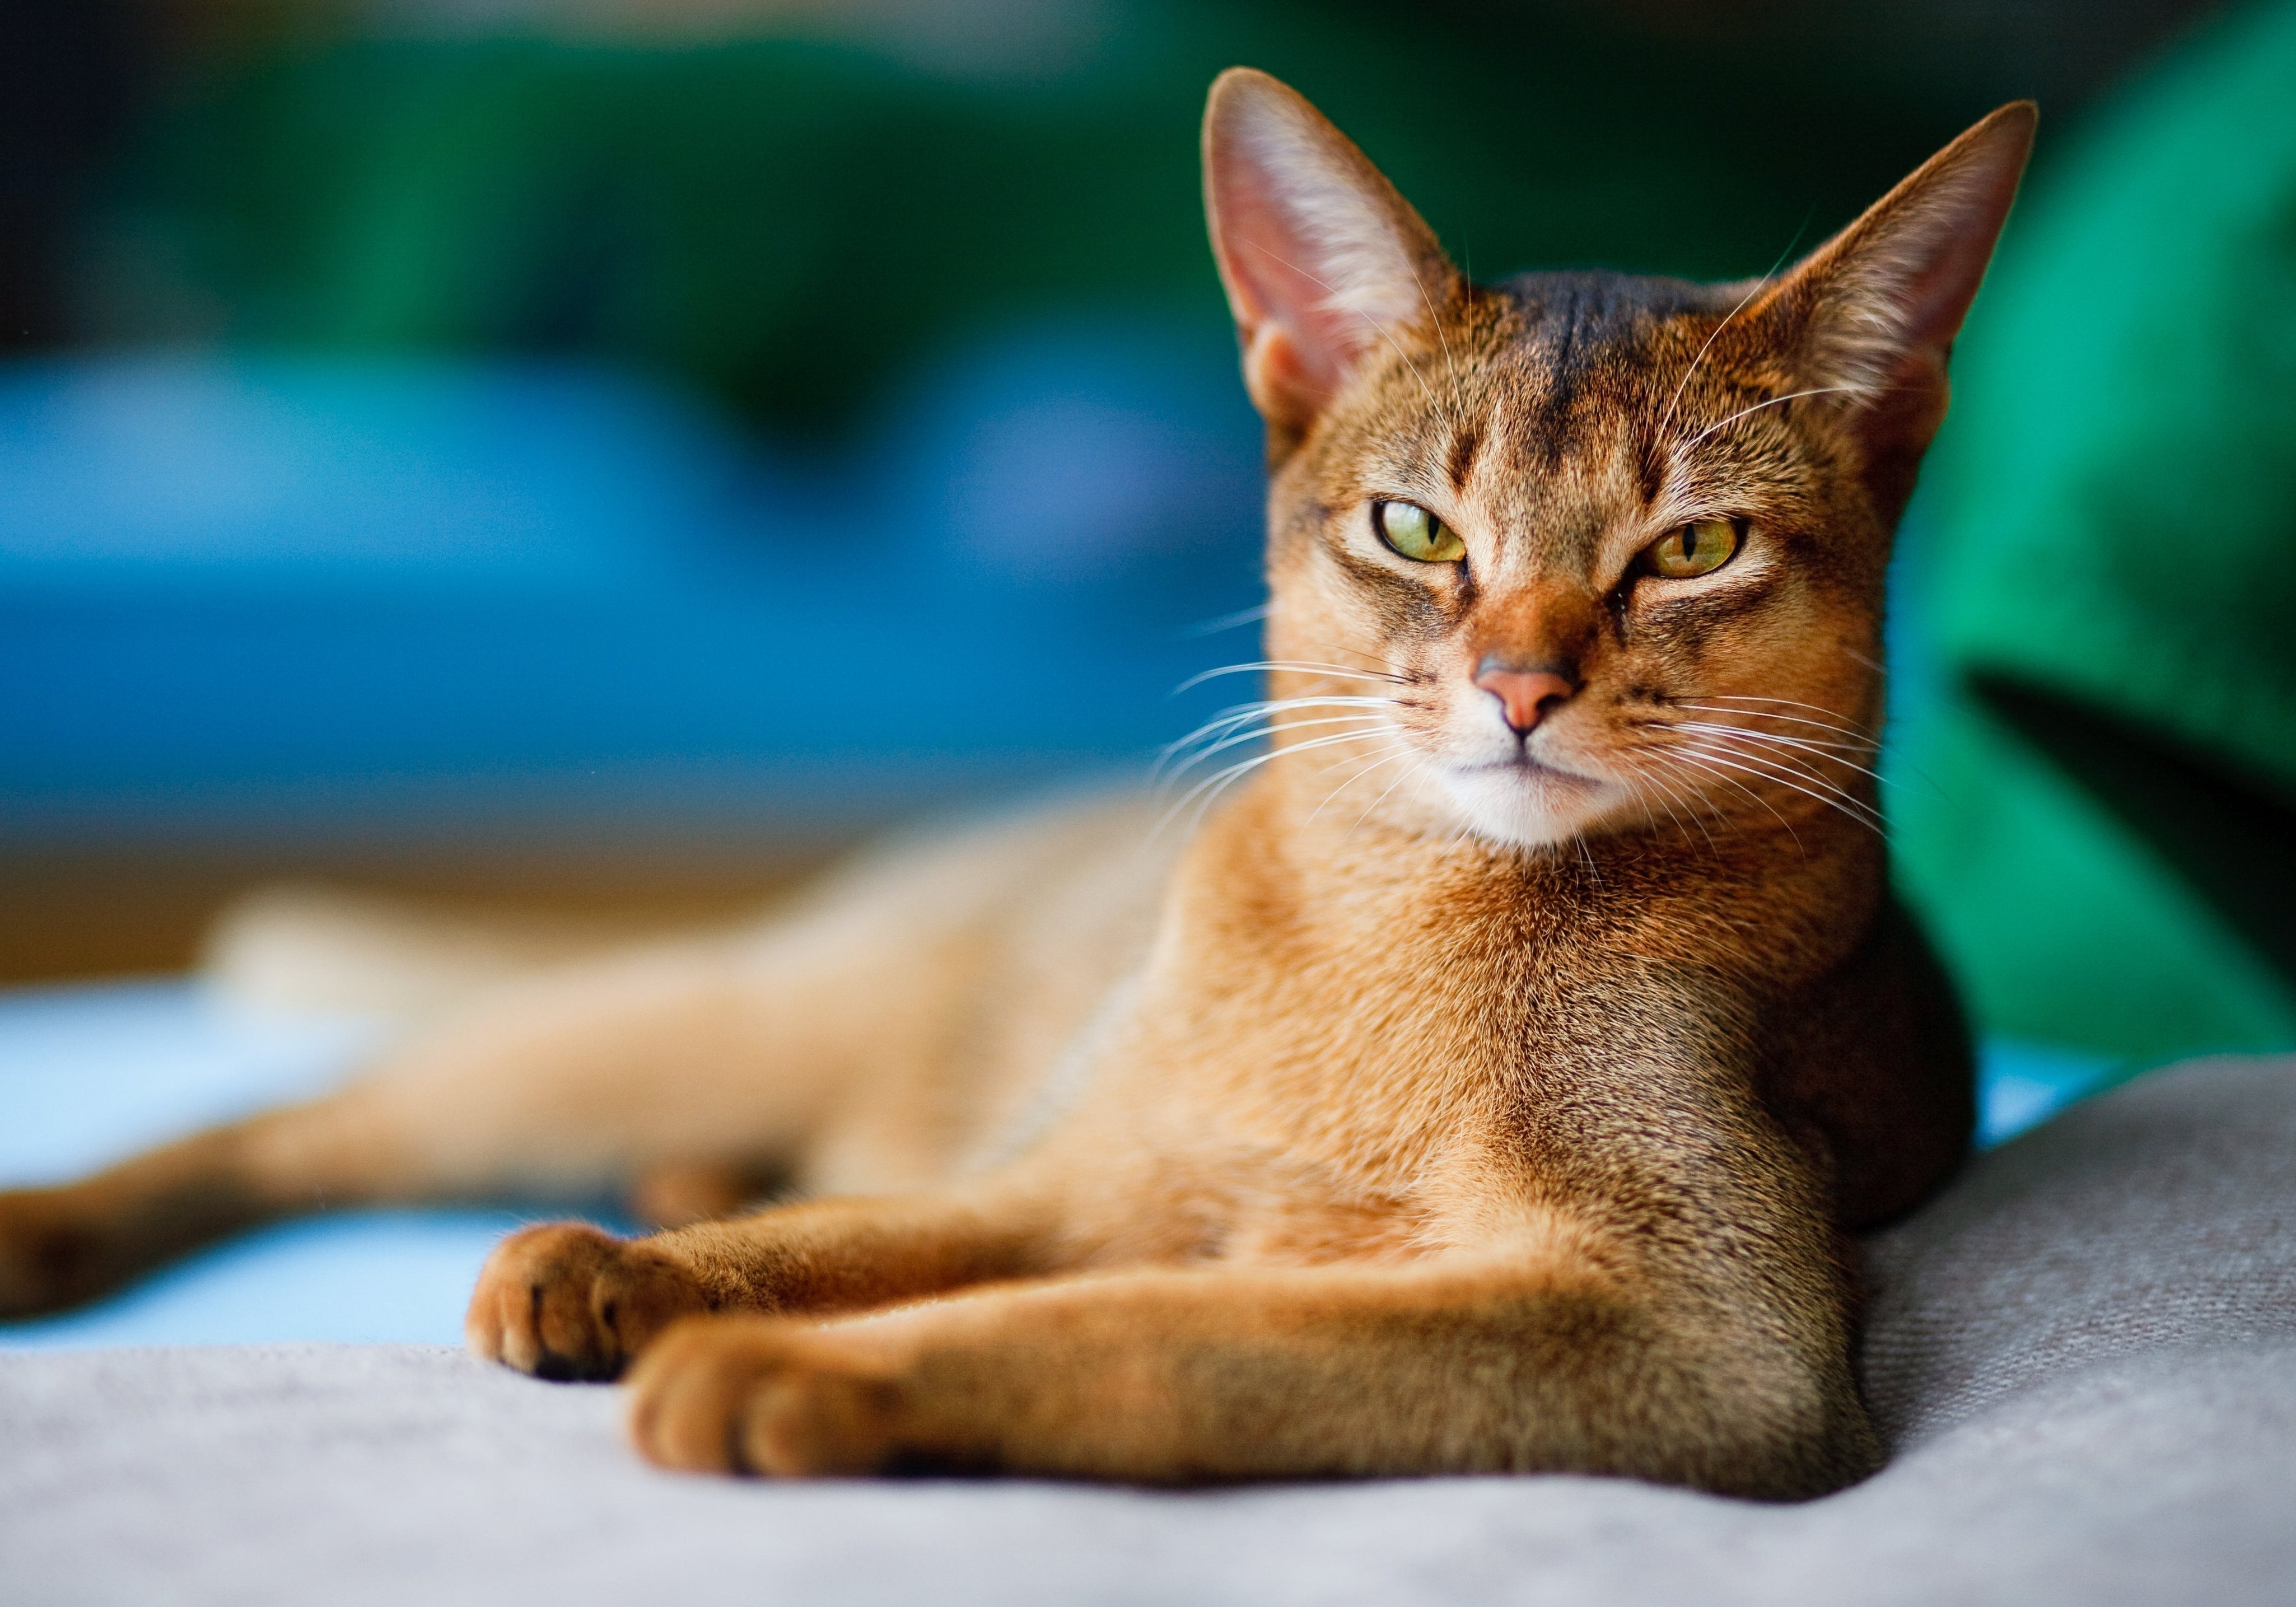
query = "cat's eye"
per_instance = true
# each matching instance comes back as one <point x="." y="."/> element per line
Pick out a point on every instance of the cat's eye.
<point x="1698" y="548"/>
<point x="1415" y="533"/>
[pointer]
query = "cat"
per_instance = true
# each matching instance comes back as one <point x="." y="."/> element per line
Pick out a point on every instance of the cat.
<point x="1492" y="1081"/>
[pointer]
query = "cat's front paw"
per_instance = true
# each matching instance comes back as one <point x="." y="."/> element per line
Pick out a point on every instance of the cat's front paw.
<point x="759" y="1395"/>
<point x="566" y="1301"/>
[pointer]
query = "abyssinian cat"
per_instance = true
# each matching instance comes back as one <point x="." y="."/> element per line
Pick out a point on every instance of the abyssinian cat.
<point x="1492" y="1083"/>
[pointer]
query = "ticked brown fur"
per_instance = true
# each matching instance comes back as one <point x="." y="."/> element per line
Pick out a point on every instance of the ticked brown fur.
<point x="1485" y="1087"/>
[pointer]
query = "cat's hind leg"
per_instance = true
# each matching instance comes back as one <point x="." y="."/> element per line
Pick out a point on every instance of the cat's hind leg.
<point x="679" y="1066"/>
<point x="865" y="1041"/>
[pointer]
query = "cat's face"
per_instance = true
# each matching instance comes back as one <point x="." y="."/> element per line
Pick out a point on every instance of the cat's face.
<point x="1580" y="552"/>
<point x="1598" y="604"/>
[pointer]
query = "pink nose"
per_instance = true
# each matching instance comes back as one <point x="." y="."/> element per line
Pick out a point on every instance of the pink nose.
<point x="1527" y="695"/>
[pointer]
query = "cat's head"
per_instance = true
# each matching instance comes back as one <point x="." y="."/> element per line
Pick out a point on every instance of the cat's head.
<point x="1594" y="551"/>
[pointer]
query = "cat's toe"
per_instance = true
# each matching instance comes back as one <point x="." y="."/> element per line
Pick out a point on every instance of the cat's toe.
<point x="758" y="1394"/>
<point x="566" y="1301"/>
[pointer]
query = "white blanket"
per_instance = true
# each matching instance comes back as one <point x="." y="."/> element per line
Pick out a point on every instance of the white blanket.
<point x="2085" y="1354"/>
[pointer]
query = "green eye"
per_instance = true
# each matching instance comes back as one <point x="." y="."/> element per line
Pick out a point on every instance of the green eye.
<point x="1415" y="533"/>
<point x="1695" y="549"/>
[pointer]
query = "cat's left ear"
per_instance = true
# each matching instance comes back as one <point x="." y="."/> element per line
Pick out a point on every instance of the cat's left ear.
<point x="1323" y="262"/>
<point x="1872" y="313"/>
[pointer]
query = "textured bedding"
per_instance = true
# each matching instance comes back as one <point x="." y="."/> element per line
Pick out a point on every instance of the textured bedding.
<point x="2085" y="1354"/>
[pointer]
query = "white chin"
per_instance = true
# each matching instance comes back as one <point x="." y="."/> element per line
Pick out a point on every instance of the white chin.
<point x="1525" y="809"/>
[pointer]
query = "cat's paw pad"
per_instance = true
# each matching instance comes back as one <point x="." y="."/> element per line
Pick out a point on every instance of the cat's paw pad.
<point x="566" y="1301"/>
<point x="755" y="1395"/>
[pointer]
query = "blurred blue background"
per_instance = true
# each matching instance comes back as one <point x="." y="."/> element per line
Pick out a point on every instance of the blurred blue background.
<point x="610" y="456"/>
<point x="261" y="596"/>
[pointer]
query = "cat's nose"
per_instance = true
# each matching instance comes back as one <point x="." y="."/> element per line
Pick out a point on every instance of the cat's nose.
<point x="1528" y="696"/>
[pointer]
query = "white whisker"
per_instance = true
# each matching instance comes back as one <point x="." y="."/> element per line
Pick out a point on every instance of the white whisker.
<point x="1243" y="713"/>
<point x="1356" y="824"/>
<point x="1300" y="666"/>
<point x="1450" y="364"/>
<point x="1252" y="736"/>
<point x="1814" y="743"/>
<point x="1401" y="752"/>
<point x="1220" y="780"/>
<point x="1669" y="798"/>
<point x="1774" y="402"/>
<point x="1831" y="796"/>
<point x="1700" y="762"/>
<point x="1758" y="286"/>
<point x="1840" y="722"/>
<point x="1213" y="627"/>
<point x="1207" y="737"/>
<point x="1825" y="752"/>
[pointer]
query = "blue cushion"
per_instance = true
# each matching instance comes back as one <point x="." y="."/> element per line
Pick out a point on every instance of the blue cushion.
<point x="250" y="594"/>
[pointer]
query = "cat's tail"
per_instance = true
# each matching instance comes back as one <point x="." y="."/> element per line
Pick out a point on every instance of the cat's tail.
<point x="306" y="948"/>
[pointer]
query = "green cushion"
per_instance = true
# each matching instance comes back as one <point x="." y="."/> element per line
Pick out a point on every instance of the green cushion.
<point x="2108" y="514"/>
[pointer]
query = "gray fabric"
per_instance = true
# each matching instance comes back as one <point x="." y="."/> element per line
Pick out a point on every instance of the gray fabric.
<point x="2085" y="1353"/>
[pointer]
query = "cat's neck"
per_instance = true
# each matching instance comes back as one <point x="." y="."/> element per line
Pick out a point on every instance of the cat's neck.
<point x="1796" y="883"/>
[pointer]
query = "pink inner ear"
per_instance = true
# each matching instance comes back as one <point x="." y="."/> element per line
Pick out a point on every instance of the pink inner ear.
<point x="1321" y="258"/>
<point x="1294" y="340"/>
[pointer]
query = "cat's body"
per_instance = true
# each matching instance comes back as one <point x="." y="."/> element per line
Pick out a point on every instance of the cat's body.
<point x="1490" y="1085"/>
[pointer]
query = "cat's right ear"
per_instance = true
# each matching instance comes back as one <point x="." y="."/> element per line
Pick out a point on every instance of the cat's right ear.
<point x="1323" y="260"/>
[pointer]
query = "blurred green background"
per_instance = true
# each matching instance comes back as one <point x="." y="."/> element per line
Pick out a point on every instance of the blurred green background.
<point x="786" y="201"/>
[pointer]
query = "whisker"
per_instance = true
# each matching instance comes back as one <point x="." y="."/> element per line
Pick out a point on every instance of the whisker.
<point x="1635" y="779"/>
<point x="1815" y="744"/>
<point x="1823" y="750"/>
<point x="1758" y="286"/>
<point x="1357" y="824"/>
<point x="1252" y="736"/>
<point x="1586" y="857"/>
<point x="1700" y="762"/>
<point x="1774" y="402"/>
<point x="1858" y="737"/>
<point x="1755" y="745"/>
<point x="1221" y="782"/>
<point x="1843" y="721"/>
<point x="1742" y="734"/>
<point x="1372" y="659"/>
<point x="1692" y="800"/>
<point x="1213" y="627"/>
<point x="1838" y="726"/>
<point x="1302" y="666"/>
<point x="1668" y="798"/>
<point x="1220" y="779"/>
<point x="1237" y="714"/>
<point x="1401" y="752"/>
<point x="1869" y="742"/>
<point x="1695" y="363"/>
<point x="1231" y="720"/>
<point x="1787" y="763"/>
<point x="1833" y="798"/>
<point x="1450" y="365"/>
